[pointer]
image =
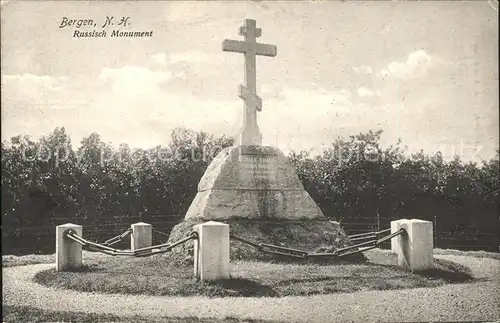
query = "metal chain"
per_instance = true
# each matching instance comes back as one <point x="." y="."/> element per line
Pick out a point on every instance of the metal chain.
<point x="341" y="252"/>
<point x="268" y="248"/>
<point x="262" y="247"/>
<point x="118" y="238"/>
<point x="367" y="235"/>
<point x="377" y="243"/>
<point x="143" y="252"/>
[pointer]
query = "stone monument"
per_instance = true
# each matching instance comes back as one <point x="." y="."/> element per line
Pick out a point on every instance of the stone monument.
<point x="250" y="180"/>
<point x="253" y="187"/>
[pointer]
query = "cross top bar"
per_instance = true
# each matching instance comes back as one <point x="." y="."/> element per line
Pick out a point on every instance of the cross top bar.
<point x="250" y="134"/>
<point x="250" y="27"/>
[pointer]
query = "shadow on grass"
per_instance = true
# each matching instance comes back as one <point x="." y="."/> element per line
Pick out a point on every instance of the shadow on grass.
<point x="445" y="270"/>
<point x="32" y="314"/>
<point x="448" y="271"/>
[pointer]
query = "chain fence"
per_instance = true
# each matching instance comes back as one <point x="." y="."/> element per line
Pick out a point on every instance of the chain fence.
<point x="40" y="239"/>
<point x="118" y="238"/>
<point x="374" y="240"/>
<point x="142" y="252"/>
<point x="340" y="252"/>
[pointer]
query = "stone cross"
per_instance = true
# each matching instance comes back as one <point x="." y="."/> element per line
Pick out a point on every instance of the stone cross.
<point x="250" y="135"/>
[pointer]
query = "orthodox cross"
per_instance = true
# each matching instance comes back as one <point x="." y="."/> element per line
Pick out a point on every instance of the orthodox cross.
<point x="250" y="135"/>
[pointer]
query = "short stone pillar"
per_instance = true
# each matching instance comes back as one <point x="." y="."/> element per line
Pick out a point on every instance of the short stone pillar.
<point x="415" y="251"/>
<point x="211" y="251"/>
<point x="68" y="252"/>
<point x="396" y="241"/>
<point x="142" y="236"/>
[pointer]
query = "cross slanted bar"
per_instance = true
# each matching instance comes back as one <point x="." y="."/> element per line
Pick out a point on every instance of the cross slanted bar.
<point x="250" y="135"/>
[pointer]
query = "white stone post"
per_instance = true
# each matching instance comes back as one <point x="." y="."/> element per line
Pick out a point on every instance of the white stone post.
<point x="396" y="241"/>
<point x="142" y="236"/>
<point x="68" y="252"/>
<point x="416" y="249"/>
<point x="211" y="251"/>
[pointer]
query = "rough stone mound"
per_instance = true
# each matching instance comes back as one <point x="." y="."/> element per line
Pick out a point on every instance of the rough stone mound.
<point x="311" y="235"/>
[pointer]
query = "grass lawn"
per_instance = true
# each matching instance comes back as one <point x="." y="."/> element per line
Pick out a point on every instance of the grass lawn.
<point x="30" y="314"/>
<point x="153" y="276"/>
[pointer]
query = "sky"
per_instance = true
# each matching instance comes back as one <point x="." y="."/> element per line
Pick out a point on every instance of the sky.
<point x="425" y="72"/>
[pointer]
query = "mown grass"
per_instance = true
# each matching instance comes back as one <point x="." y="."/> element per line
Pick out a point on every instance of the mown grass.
<point x="153" y="276"/>
<point x="31" y="314"/>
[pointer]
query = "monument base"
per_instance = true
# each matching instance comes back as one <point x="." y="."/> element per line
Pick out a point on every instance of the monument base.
<point x="258" y="193"/>
<point x="252" y="182"/>
<point x="312" y="235"/>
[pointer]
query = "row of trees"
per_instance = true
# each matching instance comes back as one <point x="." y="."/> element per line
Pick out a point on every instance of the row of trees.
<point x="95" y="183"/>
<point x="48" y="179"/>
<point x="356" y="177"/>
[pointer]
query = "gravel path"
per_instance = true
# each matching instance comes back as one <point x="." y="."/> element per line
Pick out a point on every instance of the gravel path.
<point x="457" y="302"/>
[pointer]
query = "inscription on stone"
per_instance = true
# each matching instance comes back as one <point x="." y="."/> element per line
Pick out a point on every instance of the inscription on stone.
<point x="259" y="170"/>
